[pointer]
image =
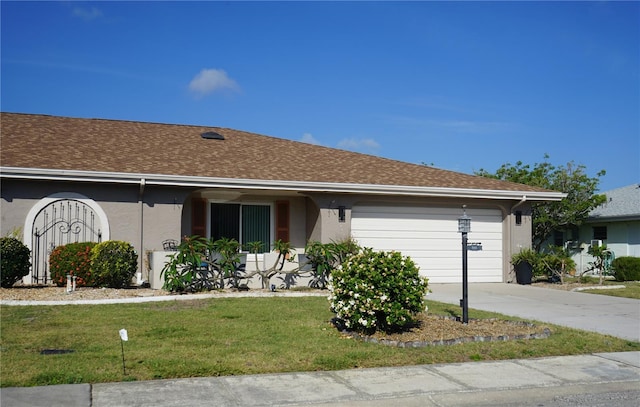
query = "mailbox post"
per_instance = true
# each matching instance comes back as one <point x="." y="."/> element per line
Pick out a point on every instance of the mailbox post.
<point x="464" y="227"/>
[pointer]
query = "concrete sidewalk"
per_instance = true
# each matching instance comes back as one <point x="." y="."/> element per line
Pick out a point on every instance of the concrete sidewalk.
<point x="512" y="382"/>
<point x="619" y="317"/>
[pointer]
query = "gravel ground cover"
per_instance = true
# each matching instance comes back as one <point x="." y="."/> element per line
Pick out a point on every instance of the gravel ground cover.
<point x="52" y="293"/>
<point x="49" y="293"/>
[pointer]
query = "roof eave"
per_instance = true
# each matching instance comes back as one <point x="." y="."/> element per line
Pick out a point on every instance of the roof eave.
<point x="240" y="183"/>
<point x="612" y="218"/>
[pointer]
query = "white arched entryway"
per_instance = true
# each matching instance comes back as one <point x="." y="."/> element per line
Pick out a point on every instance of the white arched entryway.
<point x="56" y="220"/>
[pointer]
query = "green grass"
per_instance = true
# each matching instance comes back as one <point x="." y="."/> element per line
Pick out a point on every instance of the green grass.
<point x="631" y="290"/>
<point x="227" y="336"/>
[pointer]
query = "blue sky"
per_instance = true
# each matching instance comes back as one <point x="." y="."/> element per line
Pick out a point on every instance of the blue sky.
<point x="459" y="85"/>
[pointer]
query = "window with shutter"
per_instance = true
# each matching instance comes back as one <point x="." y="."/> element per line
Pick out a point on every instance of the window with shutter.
<point x="199" y="217"/>
<point x="282" y="220"/>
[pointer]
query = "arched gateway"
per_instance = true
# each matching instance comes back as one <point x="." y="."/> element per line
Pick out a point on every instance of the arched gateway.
<point x="57" y="220"/>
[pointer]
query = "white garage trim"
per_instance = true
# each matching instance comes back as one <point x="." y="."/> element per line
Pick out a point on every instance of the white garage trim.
<point x="429" y="235"/>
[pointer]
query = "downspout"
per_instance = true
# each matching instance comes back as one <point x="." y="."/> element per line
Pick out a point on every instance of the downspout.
<point x="522" y="201"/>
<point x="143" y="183"/>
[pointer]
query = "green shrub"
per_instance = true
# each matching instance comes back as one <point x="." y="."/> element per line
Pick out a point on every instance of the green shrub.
<point x="377" y="291"/>
<point x="229" y="251"/>
<point x="325" y="257"/>
<point x="556" y="264"/>
<point x="113" y="264"/>
<point x="180" y="271"/>
<point x="626" y="268"/>
<point x="73" y="259"/>
<point x="14" y="261"/>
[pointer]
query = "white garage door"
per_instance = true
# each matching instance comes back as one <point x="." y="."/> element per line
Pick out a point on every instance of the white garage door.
<point x="430" y="237"/>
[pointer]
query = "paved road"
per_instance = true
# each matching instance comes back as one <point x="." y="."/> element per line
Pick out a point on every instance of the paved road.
<point x="605" y="314"/>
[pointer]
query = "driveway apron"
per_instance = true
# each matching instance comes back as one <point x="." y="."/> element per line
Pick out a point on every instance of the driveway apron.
<point x="619" y="317"/>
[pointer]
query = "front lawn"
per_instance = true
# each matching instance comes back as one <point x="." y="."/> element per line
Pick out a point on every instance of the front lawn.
<point x="228" y="336"/>
<point x="631" y="289"/>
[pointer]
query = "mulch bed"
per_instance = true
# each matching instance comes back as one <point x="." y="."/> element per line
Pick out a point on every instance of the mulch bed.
<point x="435" y="330"/>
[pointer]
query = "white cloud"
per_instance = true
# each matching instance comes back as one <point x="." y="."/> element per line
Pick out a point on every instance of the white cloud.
<point x="87" y="14"/>
<point x="308" y="138"/>
<point x="211" y="80"/>
<point x="459" y="126"/>
<point x="364" y="145"/>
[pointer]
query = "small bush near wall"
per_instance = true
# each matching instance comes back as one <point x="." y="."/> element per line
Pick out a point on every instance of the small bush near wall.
<point x="73" y="259"/>
<point x="325" y="257"/>
<point x="113" y="264"/>
<point x="626" y="268"/>
<point x="14" y="261"/>
<point x="377" y="291"/>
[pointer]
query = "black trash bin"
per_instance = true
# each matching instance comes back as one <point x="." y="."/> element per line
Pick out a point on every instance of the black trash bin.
<point x="524" y="272"/>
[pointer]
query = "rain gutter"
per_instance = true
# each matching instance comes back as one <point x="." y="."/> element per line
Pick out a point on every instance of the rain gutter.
<point x="260" y="184"/>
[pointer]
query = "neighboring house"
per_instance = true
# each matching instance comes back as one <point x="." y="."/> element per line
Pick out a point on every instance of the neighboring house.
<point x="615" y="223"/>
<point x="69" y="179"/>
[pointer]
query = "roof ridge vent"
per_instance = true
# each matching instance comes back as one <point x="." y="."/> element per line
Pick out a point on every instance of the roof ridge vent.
<point x="212" y="135"/>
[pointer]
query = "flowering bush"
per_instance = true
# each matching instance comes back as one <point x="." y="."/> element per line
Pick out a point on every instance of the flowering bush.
<point x="73" y="259"/>
<point x="377" y="291"/>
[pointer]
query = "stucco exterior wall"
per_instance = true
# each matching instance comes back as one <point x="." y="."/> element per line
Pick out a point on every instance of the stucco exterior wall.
<point x="146" y="215"/>
<point x="143" y="217"/>
<point x="16" y="199"/>
<point x="328" y="226"/>
<point x="517" y="236"/>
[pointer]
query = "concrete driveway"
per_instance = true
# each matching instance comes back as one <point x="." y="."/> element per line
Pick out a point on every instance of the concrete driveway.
<point x="614" y="316"/>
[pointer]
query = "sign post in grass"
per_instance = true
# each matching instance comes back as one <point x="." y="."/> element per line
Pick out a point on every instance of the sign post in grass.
<point x="123" y="338"/>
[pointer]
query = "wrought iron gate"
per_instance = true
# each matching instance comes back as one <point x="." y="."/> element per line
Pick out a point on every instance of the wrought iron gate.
<point x="60" y="222"/>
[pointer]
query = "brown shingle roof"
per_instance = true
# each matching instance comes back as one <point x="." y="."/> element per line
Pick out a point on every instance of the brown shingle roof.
<point x="63" y="143"/>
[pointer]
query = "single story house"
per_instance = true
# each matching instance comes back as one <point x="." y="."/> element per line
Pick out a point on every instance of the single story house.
<point x="615" y="223"/>
<point x="72" y="179"/>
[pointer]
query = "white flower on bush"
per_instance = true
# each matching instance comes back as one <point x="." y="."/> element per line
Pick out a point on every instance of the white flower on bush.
<point x="368" y="289"/>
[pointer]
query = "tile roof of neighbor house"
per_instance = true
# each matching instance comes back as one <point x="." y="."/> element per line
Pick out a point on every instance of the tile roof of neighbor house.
<point x="622" y="203"/>
<point x="42" y="142"/>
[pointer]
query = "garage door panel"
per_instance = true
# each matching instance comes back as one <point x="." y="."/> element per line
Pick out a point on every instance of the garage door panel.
<point x="408" y="235"/>
<point x="404" y="224"/>
<point x="392" y="210"/>
<point x="433" y="244"/>
<point x="430" y="237"/>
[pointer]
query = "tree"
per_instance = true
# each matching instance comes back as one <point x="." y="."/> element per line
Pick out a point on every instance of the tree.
<point x="602" y="258"/>
<point x="571" y="179"/>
